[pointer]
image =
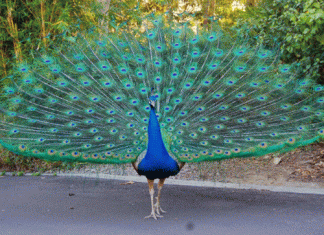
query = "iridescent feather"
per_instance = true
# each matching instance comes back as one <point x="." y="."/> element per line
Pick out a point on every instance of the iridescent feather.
<point x="217" y="97"/>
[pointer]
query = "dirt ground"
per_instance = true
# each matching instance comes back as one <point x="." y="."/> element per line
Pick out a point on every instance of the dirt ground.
<point x="302" y="167"/>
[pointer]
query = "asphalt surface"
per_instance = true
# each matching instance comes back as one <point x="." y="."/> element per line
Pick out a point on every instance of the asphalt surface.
<point x="75" y="205"/>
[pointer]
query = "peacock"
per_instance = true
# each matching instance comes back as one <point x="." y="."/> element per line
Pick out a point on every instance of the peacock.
<point x="158" y="96"/>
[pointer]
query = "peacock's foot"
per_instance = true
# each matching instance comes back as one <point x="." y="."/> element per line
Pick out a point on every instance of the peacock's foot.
<point x="158" y="209"/>
<point x="153" y="215"/>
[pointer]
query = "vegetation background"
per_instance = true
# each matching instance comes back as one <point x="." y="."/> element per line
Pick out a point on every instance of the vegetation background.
<point x="26" y="25"/>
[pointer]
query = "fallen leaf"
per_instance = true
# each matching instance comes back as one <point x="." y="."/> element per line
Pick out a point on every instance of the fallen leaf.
<point x="276" y="160"/>
<point x="129" y="182"/>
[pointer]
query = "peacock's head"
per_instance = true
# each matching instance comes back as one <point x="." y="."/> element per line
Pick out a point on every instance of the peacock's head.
<point x="152" y="101"/>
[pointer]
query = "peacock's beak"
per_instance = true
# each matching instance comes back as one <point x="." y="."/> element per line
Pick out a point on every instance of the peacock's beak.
<point x="152" y="103"/>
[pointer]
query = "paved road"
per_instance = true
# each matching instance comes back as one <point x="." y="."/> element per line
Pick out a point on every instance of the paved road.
<point x="43" y="205"/>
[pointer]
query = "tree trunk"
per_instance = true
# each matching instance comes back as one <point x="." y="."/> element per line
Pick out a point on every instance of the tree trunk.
<point x="250" y="3"/>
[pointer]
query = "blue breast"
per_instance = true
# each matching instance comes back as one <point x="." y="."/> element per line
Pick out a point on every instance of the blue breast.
<point x="157" y="162"/>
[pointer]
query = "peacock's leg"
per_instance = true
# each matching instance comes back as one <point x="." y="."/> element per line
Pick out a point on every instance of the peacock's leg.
<point x="151" y="190"/>
<point x="157" y="204"/>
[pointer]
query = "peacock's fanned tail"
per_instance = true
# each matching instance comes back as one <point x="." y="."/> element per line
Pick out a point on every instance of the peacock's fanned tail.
<point x="217" y="96"/>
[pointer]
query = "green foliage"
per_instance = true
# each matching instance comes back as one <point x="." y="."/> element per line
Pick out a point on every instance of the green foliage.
<point x="20" y="173"/>
<point x="3" y="173"/>
<point x="36" y="174"/>
<point x="28" y="25"/>
<point x="298" y="25"/>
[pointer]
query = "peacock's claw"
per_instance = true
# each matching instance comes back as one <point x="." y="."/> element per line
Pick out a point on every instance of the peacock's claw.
<point x="158" y="209"/>
<point x="153" y="215"/>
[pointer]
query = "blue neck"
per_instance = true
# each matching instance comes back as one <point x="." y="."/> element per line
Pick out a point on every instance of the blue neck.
<point x="157" y="162"/>
<point x="155" y="148"/>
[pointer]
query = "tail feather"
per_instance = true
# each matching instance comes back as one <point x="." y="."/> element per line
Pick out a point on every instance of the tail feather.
<point x="218" y="96"/>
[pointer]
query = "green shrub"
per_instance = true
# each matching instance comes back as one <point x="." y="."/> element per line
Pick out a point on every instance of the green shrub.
<point x="298" y="25"/>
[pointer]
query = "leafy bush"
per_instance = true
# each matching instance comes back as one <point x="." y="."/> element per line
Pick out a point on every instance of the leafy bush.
<point x="298" y="25"/>
<point x="27" y="25"/>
